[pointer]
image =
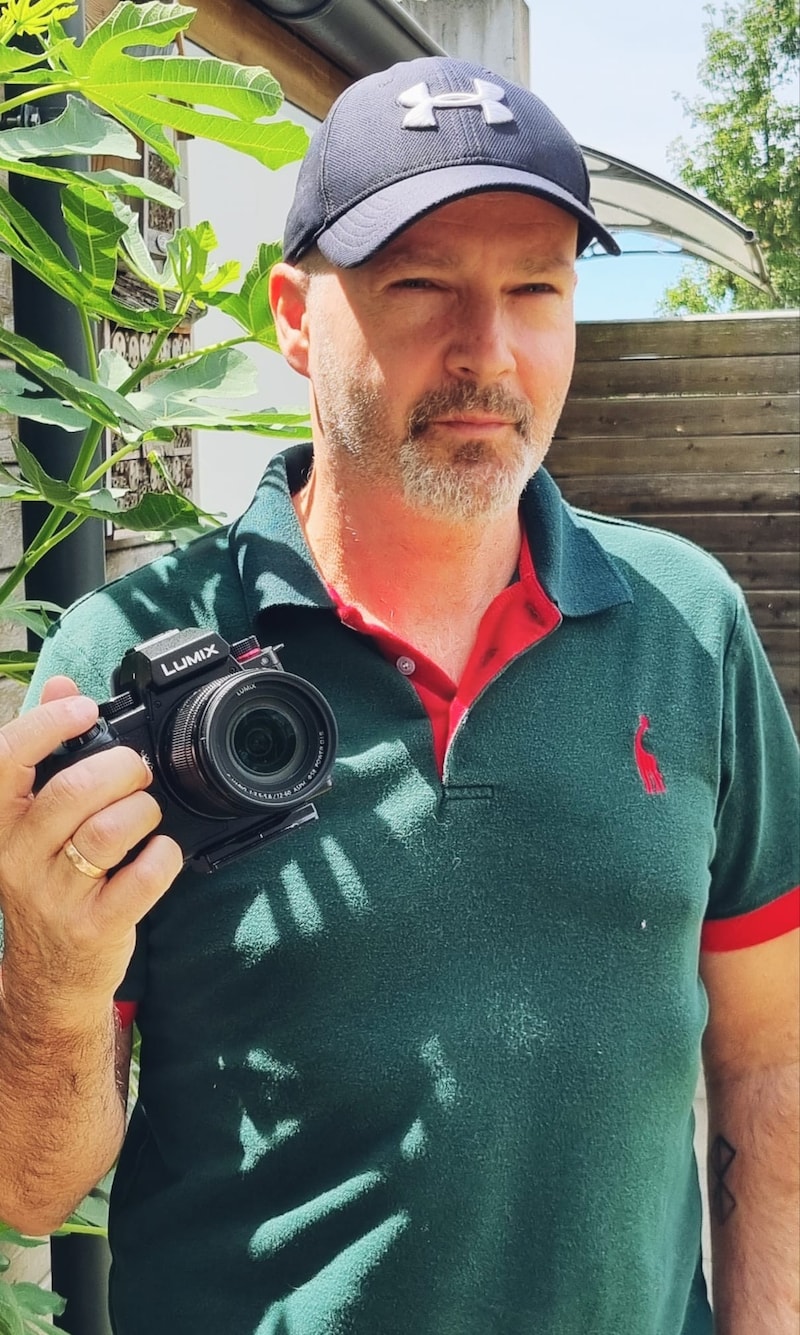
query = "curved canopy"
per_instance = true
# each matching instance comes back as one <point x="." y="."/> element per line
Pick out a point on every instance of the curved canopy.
<point x="627" y="198"/>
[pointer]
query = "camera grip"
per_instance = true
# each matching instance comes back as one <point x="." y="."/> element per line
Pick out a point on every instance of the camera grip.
<point x="97" y="738"/>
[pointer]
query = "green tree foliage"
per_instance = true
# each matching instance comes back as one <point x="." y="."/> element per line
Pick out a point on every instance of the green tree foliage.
<point x="746" y="157"/>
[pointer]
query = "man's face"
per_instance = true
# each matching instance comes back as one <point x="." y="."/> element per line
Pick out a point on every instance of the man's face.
<point x="440" y="366"/>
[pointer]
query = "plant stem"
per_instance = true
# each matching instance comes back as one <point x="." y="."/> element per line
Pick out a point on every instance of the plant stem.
<point x="202" y="352"/>
<point x="95" y="431"/>
<point x="50" y="534"/>
<point x="93" y="1230"/>
<point x="35" y="553"/>
<point x="60" y="535"/>
<point x="108" y="463"/>
<point x="88" y="338"/>
<point x="84" y="459"/>
<point x="34" y="93"/>
<point x="151" y="362"/>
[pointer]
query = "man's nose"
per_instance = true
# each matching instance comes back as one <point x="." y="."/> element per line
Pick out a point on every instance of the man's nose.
<point x="480" y="347"/>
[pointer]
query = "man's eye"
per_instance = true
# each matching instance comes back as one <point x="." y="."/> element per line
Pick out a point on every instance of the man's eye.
<point x="536" y="288"/>
<point x="414" y="283"/>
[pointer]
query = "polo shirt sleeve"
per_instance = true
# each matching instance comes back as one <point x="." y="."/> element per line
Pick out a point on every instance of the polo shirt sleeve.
<point x="63" y="653"/>
<point x="754" y="894"/>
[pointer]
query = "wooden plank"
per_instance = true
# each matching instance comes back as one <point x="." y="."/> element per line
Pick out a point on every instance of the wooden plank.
<point x="784" y="658"/>
<point x="692" y="336"/>
<point x="724" y="415"/>
<point x="786" y="676"/>
<point x="787" y="682"/>
<point x="773" y="609"/>
<point x="675" y="454"/>
<point x="782" y="645"/>
<point x="235" y="30"/>
<point x="787" y="679"/>
<point x="686" y="375"/>
<point x="732" y="531"/>
<point x="762" y="570"/>
<point x="655" y="492"/>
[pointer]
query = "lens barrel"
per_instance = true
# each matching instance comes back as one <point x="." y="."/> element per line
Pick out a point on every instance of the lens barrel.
<point x="256" y="740"/>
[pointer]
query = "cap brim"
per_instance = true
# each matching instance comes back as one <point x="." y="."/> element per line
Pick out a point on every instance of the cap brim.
<point x="371" y="224"/>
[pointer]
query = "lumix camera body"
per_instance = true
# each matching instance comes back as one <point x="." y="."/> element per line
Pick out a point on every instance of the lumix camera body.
<point x="238" y="747"/>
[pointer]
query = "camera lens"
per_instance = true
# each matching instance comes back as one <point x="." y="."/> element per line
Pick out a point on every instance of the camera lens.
<point x="254" y="740"/>
<point x="264" y="742"/>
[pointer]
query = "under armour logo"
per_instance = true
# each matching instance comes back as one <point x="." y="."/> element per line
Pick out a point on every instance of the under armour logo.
<point x="646" y="762"/>
<point x="488" y="96"/>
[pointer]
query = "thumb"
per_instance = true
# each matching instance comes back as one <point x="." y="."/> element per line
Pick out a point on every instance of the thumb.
<point x="58" y="688"/>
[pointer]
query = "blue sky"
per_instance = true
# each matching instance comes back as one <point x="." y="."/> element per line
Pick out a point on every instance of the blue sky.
<point x="610" y="72"/>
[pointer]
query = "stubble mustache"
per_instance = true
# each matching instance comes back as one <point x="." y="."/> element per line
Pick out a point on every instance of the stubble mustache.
<point x="463" y="397"/>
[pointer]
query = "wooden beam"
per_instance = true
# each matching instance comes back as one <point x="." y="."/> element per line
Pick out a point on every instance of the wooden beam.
<point x="714" y="415"/>
<point x="686" y="375"/>
<point x="761" y="570"/>
<point x="235" y="30"/>
<point x="651" y="493"/>
<point x="727" y="532"/>
<point x="775" y="608"/>
<point x="732" y="336"/>
<point x="674" y="454"/>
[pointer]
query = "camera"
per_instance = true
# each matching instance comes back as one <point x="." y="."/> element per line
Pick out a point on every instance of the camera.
<point x="238" y="747"/>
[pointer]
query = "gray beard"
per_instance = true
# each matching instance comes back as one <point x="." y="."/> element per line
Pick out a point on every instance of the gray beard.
<point x="473" y="483"/>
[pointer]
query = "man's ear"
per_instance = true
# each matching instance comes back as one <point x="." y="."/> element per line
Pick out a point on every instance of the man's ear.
<point x="288" y="292"/>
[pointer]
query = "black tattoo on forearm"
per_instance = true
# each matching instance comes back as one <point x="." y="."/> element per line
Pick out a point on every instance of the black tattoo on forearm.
<point x="723" y="1202"/>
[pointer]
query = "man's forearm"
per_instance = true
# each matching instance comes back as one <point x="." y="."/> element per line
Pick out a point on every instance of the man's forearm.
<point x="754" y="1200"/>
<point x="61" y="1113"/>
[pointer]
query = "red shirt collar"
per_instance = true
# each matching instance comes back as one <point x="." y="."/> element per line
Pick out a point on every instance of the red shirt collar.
<point x="516" y="619"/>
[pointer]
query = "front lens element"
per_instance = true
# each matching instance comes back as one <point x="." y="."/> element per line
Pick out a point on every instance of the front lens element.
<point x="264" y="742"/>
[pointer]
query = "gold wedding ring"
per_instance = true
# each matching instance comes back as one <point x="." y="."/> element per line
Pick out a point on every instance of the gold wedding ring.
<point x="83" y="864"/>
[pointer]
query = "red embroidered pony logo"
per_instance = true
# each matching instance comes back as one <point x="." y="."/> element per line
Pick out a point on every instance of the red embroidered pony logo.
<point x="646" y="762"/>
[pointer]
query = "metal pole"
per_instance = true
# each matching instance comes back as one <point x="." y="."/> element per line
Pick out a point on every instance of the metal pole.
<point x="79" y="1268"/>
<point x="77" y="565"/>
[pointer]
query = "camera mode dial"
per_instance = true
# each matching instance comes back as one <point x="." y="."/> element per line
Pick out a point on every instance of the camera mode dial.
<point x="86" y="740"/>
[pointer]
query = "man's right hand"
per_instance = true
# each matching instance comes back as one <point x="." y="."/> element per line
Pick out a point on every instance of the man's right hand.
<point x="69" y="936"/>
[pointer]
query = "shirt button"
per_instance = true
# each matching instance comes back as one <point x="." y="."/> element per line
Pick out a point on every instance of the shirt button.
<point x="406" y="665"/>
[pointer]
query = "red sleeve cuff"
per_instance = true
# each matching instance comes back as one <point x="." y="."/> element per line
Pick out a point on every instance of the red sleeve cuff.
<point x="752" y="929"/>
<point x="126" y="1012"/>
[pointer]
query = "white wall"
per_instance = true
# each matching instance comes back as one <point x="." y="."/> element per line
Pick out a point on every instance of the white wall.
<point x="495" y="33"/>
<point x="245" y="204"/>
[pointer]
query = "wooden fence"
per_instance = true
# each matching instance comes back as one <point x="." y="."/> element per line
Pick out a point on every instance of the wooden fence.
<point x="692" y="425"/>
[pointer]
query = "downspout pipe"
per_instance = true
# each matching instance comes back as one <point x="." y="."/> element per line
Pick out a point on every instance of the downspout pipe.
<point x="360" y="36"/>
<point x="79" y="1264"/>
<point x="76" y="565"/>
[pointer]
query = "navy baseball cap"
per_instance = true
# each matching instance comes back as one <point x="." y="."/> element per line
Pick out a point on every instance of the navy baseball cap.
<point x="404" y="141"/>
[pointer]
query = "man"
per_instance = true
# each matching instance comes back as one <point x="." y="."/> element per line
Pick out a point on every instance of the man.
<point x="425" y="1066"/>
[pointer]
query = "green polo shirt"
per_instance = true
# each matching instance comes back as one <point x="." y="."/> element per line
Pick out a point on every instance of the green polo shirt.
<point x="426" y="1066"/>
